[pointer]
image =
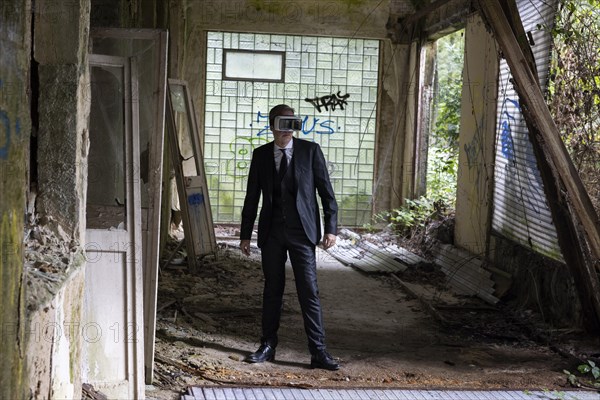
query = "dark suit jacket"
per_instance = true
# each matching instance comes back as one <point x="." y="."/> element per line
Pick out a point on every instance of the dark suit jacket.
<point x="310" y="175"/>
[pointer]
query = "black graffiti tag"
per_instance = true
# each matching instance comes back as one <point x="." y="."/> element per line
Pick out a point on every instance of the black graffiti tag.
<point x="331" y="100"/>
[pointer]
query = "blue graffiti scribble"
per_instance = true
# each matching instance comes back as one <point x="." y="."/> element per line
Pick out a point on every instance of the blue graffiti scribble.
<point x="196" y="199"/>
<point x="320" y="128"/>
<point x="508" y="146"/>
<point x="265" y="129"/>
<point x="325" y="124"/>
<point x="506" y="139"/>
<point x="4" y="120"/>
<point x="525" y="176"/>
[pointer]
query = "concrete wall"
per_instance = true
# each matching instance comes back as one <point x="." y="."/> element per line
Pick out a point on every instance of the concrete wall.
<point x="15" y="130"/>
<point x="394" y="163"/>
<point x="61" y="80"/>
<point x="60" y="48"/>
<point x="477" y="138"/>
<point x="53" y="342"/>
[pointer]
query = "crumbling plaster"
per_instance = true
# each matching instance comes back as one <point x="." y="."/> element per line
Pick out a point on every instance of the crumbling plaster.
<point x="61" y="30"/>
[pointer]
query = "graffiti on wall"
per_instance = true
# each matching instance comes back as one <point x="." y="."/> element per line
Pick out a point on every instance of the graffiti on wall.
<point x="330" y="101"/>
<point x="241" y="149"/>
<point x="506" y="140"/>
<point x="525" y="176"/>
<point x="309" y="125"/>
<point x="242" y="146"/>
<point x="6" y="133"/>
<point x="7" y="91"/>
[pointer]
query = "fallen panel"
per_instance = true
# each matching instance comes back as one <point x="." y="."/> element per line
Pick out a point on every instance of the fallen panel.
<point x="465" y="273"/>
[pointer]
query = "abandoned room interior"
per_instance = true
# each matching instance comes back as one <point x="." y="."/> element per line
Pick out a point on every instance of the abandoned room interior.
<point x="462" y="140"/>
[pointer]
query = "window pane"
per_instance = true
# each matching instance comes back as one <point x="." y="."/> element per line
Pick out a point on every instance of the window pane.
<point x="259" y="66"/>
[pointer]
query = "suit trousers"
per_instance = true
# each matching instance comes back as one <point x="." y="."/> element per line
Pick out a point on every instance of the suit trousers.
<point x="282" y="240"/>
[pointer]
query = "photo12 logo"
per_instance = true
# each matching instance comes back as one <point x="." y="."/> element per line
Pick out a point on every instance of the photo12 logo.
<point x="90" y="332"/>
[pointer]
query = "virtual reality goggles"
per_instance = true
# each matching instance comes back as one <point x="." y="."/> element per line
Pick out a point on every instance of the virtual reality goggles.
<point x="287" y="123"/>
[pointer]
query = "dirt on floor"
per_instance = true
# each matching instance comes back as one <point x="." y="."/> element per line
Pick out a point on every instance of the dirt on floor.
<point x="383" y="335"/>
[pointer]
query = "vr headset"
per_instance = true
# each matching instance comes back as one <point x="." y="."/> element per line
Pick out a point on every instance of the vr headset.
<point x="287" y="123"/>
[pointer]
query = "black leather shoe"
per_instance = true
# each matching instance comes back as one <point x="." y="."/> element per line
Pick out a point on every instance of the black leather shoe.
<point x="264" y="353"/>
<point x="324" y="360"/>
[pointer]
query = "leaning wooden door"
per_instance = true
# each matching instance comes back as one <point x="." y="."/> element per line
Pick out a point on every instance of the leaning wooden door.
<point x="113" y="311"/>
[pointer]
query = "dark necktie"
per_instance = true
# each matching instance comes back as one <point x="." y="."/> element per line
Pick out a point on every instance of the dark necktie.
<point x="283" y="165"/>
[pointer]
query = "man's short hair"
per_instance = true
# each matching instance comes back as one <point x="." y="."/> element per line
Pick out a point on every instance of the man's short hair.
<point x="277" y="111"/>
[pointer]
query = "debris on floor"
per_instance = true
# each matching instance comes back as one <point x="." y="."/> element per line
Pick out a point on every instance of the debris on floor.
<point x="377" y="324"/>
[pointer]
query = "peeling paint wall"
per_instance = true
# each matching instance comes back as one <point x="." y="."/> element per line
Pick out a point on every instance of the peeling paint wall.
<point x="15" y="129"/>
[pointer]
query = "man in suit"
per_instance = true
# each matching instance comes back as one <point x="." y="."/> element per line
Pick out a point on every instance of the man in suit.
<point x="288" y="172"/>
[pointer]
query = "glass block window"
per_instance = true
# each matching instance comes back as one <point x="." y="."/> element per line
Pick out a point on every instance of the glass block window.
<point x="332" y="85"/>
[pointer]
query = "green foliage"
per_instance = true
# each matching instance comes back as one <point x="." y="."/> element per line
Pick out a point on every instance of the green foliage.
<point x="442" y="158"/>
<point x="413" y="216"/>
<point x="442" y="168"/>
<point x="574" y="87"/>
<point x="590" y="368"/>
<point x="590" y="375"/>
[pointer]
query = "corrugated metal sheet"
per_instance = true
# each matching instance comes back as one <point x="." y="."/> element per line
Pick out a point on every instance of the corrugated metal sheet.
<point x="465" y="272"/>
<point x="353" y="250"/>
<point x="521" y="212"/>
<point x="351" y="254"/>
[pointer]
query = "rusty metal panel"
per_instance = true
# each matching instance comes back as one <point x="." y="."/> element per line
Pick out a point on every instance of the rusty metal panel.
<point x="521" y="212"/>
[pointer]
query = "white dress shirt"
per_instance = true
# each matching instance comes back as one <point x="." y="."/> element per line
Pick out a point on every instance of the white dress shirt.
<point x="289" y="151"/>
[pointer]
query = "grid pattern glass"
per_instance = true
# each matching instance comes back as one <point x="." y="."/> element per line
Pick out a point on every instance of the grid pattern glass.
<point x="332" y="85"/>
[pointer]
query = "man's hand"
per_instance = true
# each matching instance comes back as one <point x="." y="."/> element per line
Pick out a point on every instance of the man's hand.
<point x="328" y="240"/>
<point x="245" y="246"/>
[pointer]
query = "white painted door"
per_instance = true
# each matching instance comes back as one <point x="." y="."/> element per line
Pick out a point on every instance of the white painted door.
<point x="112" y="329"/>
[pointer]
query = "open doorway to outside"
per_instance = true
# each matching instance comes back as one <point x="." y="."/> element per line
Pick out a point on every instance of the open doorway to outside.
<point x="441" y="77"/>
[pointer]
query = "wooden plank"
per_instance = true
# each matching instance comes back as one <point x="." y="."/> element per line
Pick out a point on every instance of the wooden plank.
<point x="551" y="152"/>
